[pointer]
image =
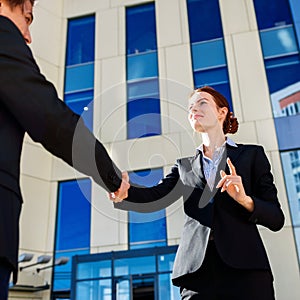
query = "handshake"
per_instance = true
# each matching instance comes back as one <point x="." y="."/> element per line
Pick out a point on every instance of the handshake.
<point x="122" y="192"/>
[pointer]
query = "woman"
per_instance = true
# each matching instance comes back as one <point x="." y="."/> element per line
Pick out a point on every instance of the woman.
<point x="227" y="190"/>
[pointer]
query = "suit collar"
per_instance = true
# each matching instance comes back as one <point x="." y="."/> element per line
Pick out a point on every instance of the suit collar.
<point x="228" y="141"/>
<point x="8" y="25"/>
<point x="197" y="166"/>
<point x="233" y="151"/>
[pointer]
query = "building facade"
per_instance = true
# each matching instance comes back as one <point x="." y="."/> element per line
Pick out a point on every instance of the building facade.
<point x="128" y="68"/>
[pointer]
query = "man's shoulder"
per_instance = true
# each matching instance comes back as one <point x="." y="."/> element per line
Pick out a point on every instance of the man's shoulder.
<point x="12" y="44"/>
<point x="8" y="27"/>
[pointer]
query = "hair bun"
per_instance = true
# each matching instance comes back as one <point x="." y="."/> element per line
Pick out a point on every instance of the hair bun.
<point x="231" y="124"/>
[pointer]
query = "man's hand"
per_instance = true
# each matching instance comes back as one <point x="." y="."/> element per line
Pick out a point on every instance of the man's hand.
<point x="122" y="192"/>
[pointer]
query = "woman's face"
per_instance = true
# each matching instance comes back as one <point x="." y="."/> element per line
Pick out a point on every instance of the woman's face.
<point x="204" y="114"/>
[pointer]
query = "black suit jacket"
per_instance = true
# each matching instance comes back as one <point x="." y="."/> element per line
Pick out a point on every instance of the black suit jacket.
<point x="29" y="103"/>
<point x="234" y="228"/>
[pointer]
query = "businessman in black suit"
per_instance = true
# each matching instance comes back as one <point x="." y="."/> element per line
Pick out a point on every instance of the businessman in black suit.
<point x="29" y="103"/>
<point x="228" y="190"/>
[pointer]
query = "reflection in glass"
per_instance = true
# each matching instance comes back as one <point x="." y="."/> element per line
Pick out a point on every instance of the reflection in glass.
<point x="72" y="237"/>
<point x="82" y="104"/>
<point x="286" y="102"/>
<point x="141" y="29"/>
<point x="62" y="274"/>
<point x="141" y="274"/>
<point x="123" y="289"/>
<point x="278" y="41"/>
<point x="94" y="290"/>
<point x="278" y="35"/>
<point x="147" y="229"/>
<point x="291" y="167"/>
<point x="143" y="65"/>
<point x="136" y="265"/>
<point x="94" y="269"/>
<point x="81" y="40"/>
<point x="167" y="291"/>
<point x="165" y="262"/>
<point x="143" y="109"/>
<point x="207" y="46"/>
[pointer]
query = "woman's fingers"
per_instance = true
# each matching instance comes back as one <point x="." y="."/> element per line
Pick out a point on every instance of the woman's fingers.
<point x="222" y="180"/>
<point x="226" y="184"/>
<point x="231" y="167"/>
<point x="227" y="180"/>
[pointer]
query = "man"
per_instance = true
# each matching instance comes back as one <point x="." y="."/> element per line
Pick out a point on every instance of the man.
<point x="29" y="103"/>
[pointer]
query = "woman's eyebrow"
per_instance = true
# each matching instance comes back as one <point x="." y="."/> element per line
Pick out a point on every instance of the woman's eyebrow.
<point x="199" y="99"/>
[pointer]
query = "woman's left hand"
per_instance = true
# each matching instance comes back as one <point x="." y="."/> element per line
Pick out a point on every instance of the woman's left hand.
<point x="233" y="185"/>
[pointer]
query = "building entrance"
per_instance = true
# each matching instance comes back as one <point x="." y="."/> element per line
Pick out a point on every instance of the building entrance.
<point x="139" y="274"/>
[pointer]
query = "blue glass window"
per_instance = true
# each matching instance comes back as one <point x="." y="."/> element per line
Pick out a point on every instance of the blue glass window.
<point x="272" y="13"/>
<point x="80" y="77"/>
<point x="213" y="51"/>
<point x="82" y="104"/>
<point x="280" y="47"/>
<point x="204" y="20"/>
<point x="72" y="227"/>
<point x="207" y="46"/>
<point x="291" y="163"/>
<point x="74" y="212"/>
<point x="282" y="72"/>
<point x="89" y="270"/>
<point x="81" y="41"/>
<point x="281" y="56"/>
<point x="295" y="10"/>
<point x="142" y="65"/>
<point x="279" y="43"/>
<point x="134" y="265"/>
<point x="94" y="290"/>
<point x="141" y="29"/>
<point x="142" y="88"/>
<point x="147" y="229"/>
<point x="79" y="72"/>
<point x="143" y="103"/>
<point x="73" y="215"/>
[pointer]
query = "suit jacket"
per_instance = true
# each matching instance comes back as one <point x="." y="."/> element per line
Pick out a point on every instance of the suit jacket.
<point x="29" y="103"/>
<point x="234" y="228"/>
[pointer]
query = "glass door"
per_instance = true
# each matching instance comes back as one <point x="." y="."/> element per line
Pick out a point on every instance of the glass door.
<point x="143" y="287"/>
<point x="123" y="288"/>
<point x="135" y="287"/>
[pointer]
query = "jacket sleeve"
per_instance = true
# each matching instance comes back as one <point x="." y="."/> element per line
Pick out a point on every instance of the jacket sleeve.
<point x="150" y="199"/>
<point x="267" y="210"/>
<point x="34" y="103"/>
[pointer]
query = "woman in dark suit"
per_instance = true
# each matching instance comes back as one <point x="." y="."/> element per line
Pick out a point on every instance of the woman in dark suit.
<point x="227" y="190"/>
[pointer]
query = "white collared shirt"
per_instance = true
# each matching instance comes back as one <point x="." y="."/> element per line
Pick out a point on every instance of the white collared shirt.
<point x="210" y="166"/>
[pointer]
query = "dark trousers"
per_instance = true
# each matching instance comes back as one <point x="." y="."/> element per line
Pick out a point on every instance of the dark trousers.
<point x="217" y="281"/>
<point x="5" y="271"/>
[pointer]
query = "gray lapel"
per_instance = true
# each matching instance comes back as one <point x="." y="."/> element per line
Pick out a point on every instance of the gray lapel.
<point x="197" y="166"/>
